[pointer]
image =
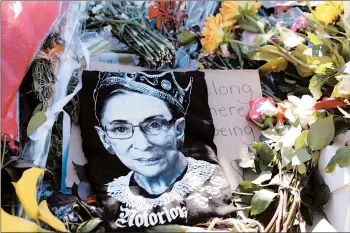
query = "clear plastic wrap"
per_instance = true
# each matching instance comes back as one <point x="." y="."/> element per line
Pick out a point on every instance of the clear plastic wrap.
<point x="24" y="26"/>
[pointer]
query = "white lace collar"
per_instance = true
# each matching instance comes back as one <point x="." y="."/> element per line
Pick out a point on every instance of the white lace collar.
<point x="197" y="174"/>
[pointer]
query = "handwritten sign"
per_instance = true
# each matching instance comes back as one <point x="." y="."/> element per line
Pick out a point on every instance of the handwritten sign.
<point x="229" y="93"/>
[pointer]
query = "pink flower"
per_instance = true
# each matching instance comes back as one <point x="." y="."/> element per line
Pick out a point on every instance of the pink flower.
<point x="261" y="109"/>
<point x="299" y="23"/>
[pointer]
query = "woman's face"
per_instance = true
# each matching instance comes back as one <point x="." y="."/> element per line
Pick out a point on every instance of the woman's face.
<point x="139" y="129"/>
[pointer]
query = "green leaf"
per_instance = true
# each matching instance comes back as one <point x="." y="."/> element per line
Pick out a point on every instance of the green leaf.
<point x="266" y="154"/>
<point x="323" y="68"/>
<point x="186" y="38"/>
<point x="276" y="180"/>
<point x="263" y="38"/>
<point x="301" y="168"/>
<point x="272" y="135"/>
<point x="261" y="200"/>
<point x="264" y="176"/>
<point x="89" y="225"/>
<point x="275" y="65"/>
<point x="247" y="25"/>
<point x="35" y="122"/>
<point x="313" y="38"/>
<point x="301" y="156"/>
<point x="248" y="187"/>
<point x="301" y="140"/>
<point x="247" y="161"/>
<point x="287" y="154"/>
<point x="341" y="157"/>
<point x="321" y="133"/>
<point x="315" y="157"/>
<point x="38" y="108"/>
<point x="238" y="51"/>
<point x="264" y="56"/>
<point x="317" y="82"/>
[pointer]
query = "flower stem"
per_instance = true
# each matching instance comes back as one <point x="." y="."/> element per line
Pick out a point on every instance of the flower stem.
<point x="285" y="203"/>
<point x="124" y="22"/>
<point x="280" y="54"/>
<point x="246" y="194"/>
<point x="293" y="208"/>
<point x="280" y="212"/>
<point x="273" y="220"/>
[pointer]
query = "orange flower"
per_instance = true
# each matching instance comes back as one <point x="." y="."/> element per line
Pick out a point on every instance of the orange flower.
<point x="231" y="10"/>
<point x="214" y="32"/>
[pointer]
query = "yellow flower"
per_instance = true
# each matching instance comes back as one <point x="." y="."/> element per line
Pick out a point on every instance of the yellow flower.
<point x="26" y="191"/>
<point x="231" y="10"/>
<point x="45" y="215"/>
<point x="214" y="31"/>
<point x="327" y="12"/>
<point x="10" y="223"/>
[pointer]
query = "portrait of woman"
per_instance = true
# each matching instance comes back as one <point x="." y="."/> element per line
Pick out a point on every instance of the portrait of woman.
<point x="141" y="120"/>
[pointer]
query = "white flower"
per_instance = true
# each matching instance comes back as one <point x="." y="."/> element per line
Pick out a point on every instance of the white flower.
<point x="300" y="108"/>
<point x="267" y="109"/>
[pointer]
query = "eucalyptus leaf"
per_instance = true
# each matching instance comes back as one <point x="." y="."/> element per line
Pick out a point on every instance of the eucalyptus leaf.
<point x="273" y="135"/>
<point x="266" y="154"/>
<point x="341" y="157"/>
<point x="315" y="157"/>
<point x="287" y="154"/>
<point x="321" y="133"/>
<point x="301" y="168"/>
<point x="301" y="155"/>
<point x="276" y="180"/>
<point x="301" y="140"/>
<point x="261" y="200"/>
<point x="38" y="108"/>
<point x="246" y="186"/>
<point x="264" y="176"/>
<point x="246" y="162"/>
<point x="89" y="225"/>
<point x="35" y="122"/>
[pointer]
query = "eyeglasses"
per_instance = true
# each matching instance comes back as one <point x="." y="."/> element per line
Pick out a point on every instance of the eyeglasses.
<point x="150" y="127"/>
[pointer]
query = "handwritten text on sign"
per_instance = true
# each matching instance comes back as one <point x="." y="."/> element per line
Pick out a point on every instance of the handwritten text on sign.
<point x="229" y="94"/>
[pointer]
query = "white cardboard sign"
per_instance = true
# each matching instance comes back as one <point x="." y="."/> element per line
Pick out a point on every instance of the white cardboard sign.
<point x="229" y="94"/>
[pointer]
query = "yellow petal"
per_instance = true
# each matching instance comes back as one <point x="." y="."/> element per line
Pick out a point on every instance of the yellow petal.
<point x="26" y="190"/>
<point x="46" y="216"/>
<point x="10" y="223"/>
<point x="328" y="12"/>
